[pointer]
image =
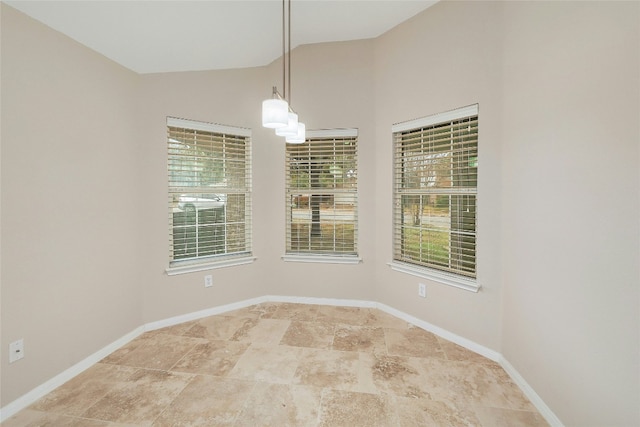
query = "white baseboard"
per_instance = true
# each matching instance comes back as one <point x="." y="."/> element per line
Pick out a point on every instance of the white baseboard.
<point x="43" y="389"/>
<point x="536" y="400"/>
<point x="477" y="348"/>
<point x="152" y="326"/>
<point x="55" y="382"/>
<point x="322" y="301"/>
<point x="449" y="336"/>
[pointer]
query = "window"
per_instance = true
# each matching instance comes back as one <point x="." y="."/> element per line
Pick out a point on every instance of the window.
<point x="435" y="196"/>
<point x="209" y="195"/>
<point x="322" y="197"/>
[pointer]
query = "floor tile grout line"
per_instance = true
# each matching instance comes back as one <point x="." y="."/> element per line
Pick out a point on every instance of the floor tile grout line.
<point x="246" y="402"/>
<point x="386" y="341"/>
<point x="322" y="396"/>
<point x="445" y="359"/>
<point x="193" y="377"/>
<point x="183" y="356"/>
<point x="114" y="387"/>
<point x="98" y="399"/>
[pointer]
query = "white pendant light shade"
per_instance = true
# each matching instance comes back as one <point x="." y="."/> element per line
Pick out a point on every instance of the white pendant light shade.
<point x="291" y="129"/>
<point x="300" y="137"/>
<point x="275" y="113"/>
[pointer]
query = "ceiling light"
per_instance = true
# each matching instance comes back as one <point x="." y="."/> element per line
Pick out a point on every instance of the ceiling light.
<point x="300" y="136"/>
<point x="277" y="112"/>
<point x="292" y="127"/>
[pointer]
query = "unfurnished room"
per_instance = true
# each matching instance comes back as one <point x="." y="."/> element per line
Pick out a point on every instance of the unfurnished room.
<point x="320" y="213"/>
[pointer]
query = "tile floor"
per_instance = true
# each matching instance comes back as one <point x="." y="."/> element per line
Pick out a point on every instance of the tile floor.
<point x="281" y="364"/>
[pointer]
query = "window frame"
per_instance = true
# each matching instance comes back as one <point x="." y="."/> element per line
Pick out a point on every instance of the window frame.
<point x="450" y="278"/>
<point x="334" y="257"/>
<point x="224" y="259"/>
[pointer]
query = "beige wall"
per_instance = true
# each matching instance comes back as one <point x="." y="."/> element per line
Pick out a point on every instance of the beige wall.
<point x="332" y="88"/>
<point x="557" y="85"/>
<point x="570" y="206"/>
<point x="560" y="285"/>
<point x="70" y="212"/>
<point x="225" y="97"/>
<point x="445" y="58"/>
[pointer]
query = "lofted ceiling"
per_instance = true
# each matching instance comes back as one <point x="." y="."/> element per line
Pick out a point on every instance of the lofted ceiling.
<point x="181" y="35"/>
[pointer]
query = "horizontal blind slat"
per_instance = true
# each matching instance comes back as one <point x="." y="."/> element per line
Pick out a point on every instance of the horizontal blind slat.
<point x="209" y="192"/>
<point x="321" y="189"/>
<point x="435" y="188"/>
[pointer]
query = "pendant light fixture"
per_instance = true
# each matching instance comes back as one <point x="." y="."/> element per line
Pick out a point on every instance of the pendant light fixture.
<point x="300" y="135"/>
<point x="276" y="111"/>
<point x="292" y="127"/>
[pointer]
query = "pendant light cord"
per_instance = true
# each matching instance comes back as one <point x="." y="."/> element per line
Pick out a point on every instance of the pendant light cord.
<point x="284" y="81"/>
<point x="289" y="51"/>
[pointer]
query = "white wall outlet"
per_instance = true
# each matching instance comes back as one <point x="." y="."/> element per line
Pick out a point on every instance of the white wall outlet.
<point x="16" y="350"/>
<point x="422" y="290"/>
<point x="208" y="281"/>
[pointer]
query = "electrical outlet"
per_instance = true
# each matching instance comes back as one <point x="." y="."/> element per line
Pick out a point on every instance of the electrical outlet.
<point x="422" y="290"/>
<point x="208" y="281"/>
<point x="16" y="350"/>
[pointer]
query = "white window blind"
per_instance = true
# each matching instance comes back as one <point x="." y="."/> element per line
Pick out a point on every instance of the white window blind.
<point x="322" y="194"/>
<point x="209" y="191"/>
<point x="435" y="192"/>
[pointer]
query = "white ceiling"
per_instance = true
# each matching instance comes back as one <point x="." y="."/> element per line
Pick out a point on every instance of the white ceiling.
<point x="181" y="35"/>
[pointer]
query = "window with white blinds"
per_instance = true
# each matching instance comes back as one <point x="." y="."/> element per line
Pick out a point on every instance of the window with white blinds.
<point x="209" y="202"/>
<point x="322" y="194"/>
<point x="435" y="193"/>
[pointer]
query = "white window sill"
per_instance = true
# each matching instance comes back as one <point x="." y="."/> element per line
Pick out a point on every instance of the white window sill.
<point x="329" y="259"/>
<point x="191" y="267"/>
<point x="448" y="279"/>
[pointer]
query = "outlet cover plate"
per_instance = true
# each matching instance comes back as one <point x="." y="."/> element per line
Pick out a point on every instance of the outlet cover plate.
<point x="16" y="350"/>
<point x="422" y="290"/>
<point x="208" y="281"/>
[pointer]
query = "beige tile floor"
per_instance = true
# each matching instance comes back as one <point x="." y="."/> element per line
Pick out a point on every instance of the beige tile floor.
<point x="281" y="364"/>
